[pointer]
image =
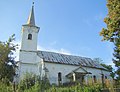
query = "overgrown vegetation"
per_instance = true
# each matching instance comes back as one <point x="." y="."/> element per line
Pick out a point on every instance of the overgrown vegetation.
<point x="41" y="87"/>
<point x="5" y="88"/>
<point x="32" y="83"/>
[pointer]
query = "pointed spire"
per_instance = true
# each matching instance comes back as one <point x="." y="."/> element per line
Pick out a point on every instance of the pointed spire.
<point x="31" y="19"/>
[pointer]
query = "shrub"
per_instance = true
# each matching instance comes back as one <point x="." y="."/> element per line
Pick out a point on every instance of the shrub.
<point x="28" y="81"/>
<point x="32" y="83"/>
<point x="5" y="88"/>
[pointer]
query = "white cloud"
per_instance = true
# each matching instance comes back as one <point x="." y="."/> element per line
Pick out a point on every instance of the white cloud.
<point x="85" y="49"/>
<point x="53" y="43"/>
<point x="62" y="51"/>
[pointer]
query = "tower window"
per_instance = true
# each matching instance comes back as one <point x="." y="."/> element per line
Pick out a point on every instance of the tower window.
<point x="29" y="36"/>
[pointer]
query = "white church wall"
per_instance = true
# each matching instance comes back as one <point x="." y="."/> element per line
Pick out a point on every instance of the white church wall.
<point x="29" y="64"/>
<point x="28" y="68"/>
<point x="29" y="44"/>
<point x="107" y="74"/>
<point x="54" y="69"/>
<point x="98" y="73"/>
<point x="27" y="57"/>
<point x="41" y="66"/>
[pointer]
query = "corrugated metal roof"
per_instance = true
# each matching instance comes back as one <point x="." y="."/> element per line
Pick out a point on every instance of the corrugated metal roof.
<point x="68" y="59"/>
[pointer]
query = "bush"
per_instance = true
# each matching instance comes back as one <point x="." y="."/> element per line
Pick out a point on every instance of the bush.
<point x="32" y="83"/>
<point x="28" y="81"/>
<point x="5" y="88"/>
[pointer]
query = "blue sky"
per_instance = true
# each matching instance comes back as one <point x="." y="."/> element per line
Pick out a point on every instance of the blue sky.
<point x="66" y="26"/>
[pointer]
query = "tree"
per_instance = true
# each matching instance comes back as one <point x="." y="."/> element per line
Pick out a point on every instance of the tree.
<point x="112" y="32"/>
<point x="7" y="62"/>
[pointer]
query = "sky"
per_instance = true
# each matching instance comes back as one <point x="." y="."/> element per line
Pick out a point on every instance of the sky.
<point x="66" y="26"/>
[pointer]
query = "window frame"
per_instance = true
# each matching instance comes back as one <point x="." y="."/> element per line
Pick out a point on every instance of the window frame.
<point x="29" y="36"/>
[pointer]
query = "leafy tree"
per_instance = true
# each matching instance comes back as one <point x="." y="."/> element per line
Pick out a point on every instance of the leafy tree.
<point x="108" y="67"/>
<point x="7" y="62"/>
<point x="112" y="32"/>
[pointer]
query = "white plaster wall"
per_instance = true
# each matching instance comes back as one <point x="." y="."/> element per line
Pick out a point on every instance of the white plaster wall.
<point x="28" y="68"/>
<point x="29" y="63"/>
<point x="27" y="57"/>
<point x="98" y="72"/>
<point x="30" y="45"/>
<point x="54" y="69"/>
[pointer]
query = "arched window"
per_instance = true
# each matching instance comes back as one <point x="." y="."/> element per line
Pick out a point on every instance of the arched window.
<point x="29" y="36"/>
<point x="102" y="77"/>
<point x="105" y="77"/>
<point x="59" y="78"/>
<point x="94" y="78"/>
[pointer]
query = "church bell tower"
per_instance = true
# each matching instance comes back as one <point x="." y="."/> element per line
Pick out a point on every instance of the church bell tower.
<point x="30" y="33"/>
<point x="29" y="40"/>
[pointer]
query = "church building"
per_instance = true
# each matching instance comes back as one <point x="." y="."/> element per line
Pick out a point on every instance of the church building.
<point x="56" y="67"/>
